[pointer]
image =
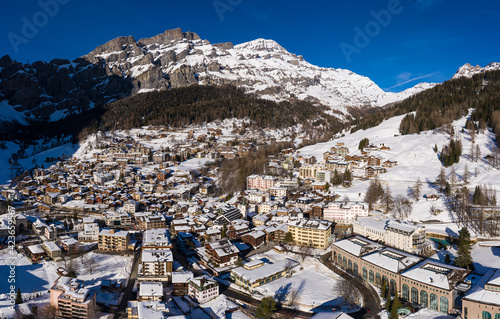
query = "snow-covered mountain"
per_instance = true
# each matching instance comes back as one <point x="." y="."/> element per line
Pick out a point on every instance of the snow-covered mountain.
<point x="49" y="91"/>
<point x="468" y="70"/>
<point x="261" y="66"/>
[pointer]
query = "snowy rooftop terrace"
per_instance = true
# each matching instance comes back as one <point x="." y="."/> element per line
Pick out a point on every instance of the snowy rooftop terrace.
<point x="392" y="259"/>
<point x="358" y="246"/>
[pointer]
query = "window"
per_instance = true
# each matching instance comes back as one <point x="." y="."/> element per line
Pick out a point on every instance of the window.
<point x="344" y="262"/>
<point x="466" y="314"/>
<point x="406" y="292"/>
<point x="486" y="315"/>
<point x="378" y="280"/>
<point x="356" y="269"/>
<point x="414" y="295"/>
<point x="393" y="287"/>
<point x="423" y="299"/>
<point x="433" y="302"/>
<point x="371" y="276"/>
<point x="340" y="260"/>
<point x="443" y="305"/>
<point x="365" y="273"/>
<point x="497" y="316"/>
<point x="349" y="265"/>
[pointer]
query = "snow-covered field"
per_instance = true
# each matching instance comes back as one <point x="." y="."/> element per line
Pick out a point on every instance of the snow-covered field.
<point x="313" y="281"/>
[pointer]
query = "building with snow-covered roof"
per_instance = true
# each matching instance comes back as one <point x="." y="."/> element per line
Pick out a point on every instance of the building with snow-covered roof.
<point x="345" y="211"/>
<point x="407" y="237"/>
<point x="257" y="272"/>
<point x="432" y="284"/>
<point x="53" y="251"/>
<point x="90" y="232"/>
<point x="72" y="300"/>
<point x="147" y="310"/>
<point x="429" y="283"/>
<point x="483" y="299"/>
<point x="180" y="280"/>
<point x="203" y="289"/>
<point x="254" y="238"/>
<point x="156" y="264"/>
<point x="222" y="252"/>
<point x="311" y="232"/>
<point x="156" y="238"/>
<point x="370" y="228"/>
<point x="113" y="241"/>
<point x="150" y="291"/>
<point x="404" y="236"/>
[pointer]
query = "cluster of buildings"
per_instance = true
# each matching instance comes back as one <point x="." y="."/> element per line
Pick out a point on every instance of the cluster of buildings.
<point x="424" y="282"/>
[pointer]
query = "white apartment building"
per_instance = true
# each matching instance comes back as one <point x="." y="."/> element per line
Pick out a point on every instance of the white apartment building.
<point x="407" y="237"/>
<point x="345" y="212"/>
<point x="203" y="289"/>
<point x="404" y="236"/>
<point x="90" y="232"/>
<point x="156" y="264"/>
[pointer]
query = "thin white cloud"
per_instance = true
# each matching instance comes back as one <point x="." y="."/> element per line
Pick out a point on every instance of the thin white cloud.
<point x="409" y="79"/>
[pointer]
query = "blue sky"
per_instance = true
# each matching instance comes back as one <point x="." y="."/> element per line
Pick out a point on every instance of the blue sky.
<point x="412" y="41"/>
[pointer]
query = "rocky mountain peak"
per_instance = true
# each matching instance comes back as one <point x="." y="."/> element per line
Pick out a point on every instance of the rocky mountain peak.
<point x="468" y="70"/>
<point x="168" y="36"/>
<point x="262" y="45"/>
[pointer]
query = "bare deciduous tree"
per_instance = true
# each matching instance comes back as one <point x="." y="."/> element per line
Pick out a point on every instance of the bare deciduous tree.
<point x="348" y="291"/>
<point x="402" y="207"/>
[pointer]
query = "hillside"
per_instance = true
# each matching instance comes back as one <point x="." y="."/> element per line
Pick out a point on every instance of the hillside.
<point x="416" y="159"/>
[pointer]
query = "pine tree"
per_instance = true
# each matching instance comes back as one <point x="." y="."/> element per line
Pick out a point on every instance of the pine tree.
<point x="19" y="297"/>
<point x="447" y="258"/>
<point x="394" y="308"/>
<point x="266" y="308"/>
<point x="478" y="153"/>
<point x="464" y="258"/>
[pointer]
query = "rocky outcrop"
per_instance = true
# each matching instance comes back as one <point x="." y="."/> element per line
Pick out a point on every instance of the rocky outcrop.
<point x="170" y="35"/>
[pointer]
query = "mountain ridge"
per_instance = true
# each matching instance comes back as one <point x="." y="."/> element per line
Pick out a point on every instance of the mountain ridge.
<point x="124" y="66"/>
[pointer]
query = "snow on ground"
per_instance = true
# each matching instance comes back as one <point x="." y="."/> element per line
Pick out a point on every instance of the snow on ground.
<point x="314" y="282"/>
<point x="415" y="159"/>
<point x="35" y="279"/>
<point x="485" y="258"/>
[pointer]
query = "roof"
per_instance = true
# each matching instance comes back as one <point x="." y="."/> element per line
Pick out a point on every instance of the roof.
<point x="156" y="237"/>
<point x="157" y="255"/>
<point x="436" y="274"/>
<point x="401" y="228"/>
<point x="358" y="246"/>
<point x="151" y="289"/>
<point x="266" y="270"/>
<point x="478" y="293"/>
<point x="36" y="249"/>
<point x="311" y="224"/>
<point x="392" y="259"/>
<point x="111" y="232"/>
<point x="181" y="277"/>
<point x="331" y="315"/>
